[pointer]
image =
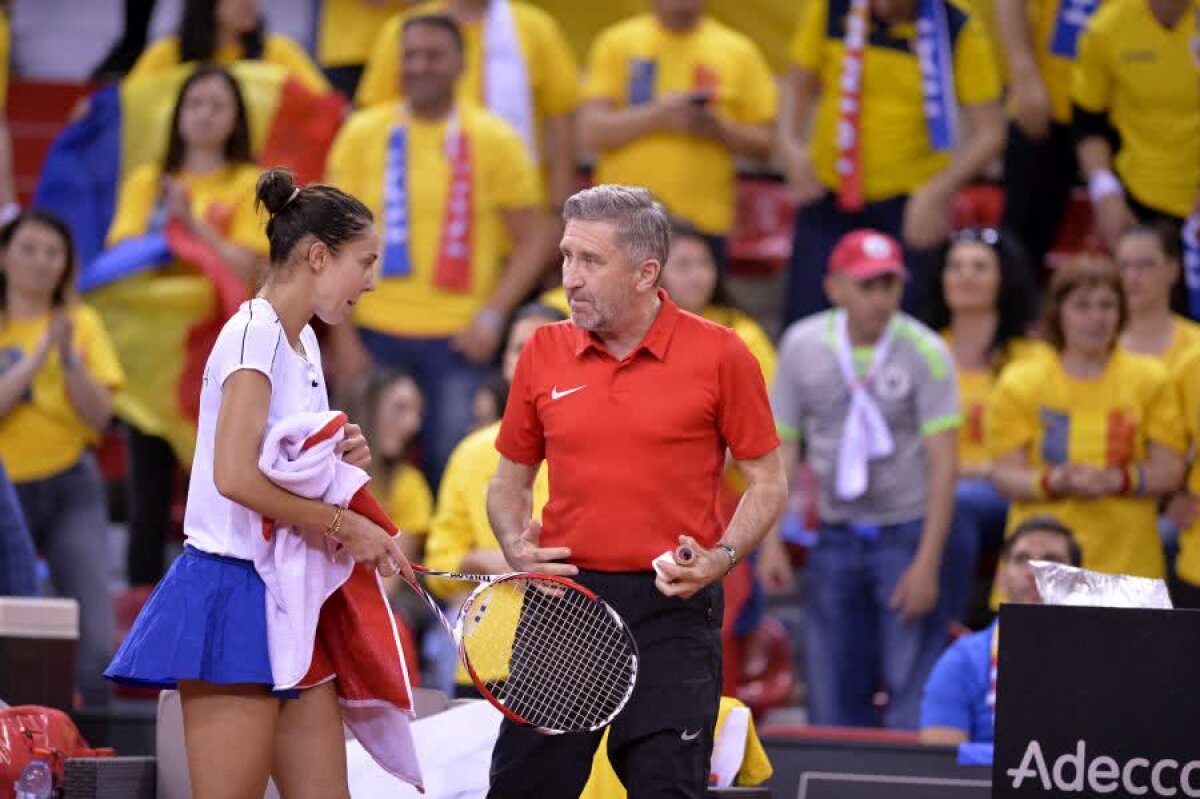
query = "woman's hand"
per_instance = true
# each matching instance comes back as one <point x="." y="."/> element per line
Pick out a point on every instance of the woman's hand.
<point x="1092" y="482"/>
<point x="60" y="333"/>
<point x="371" y="545"/>
<point x="177" y="200"/>
<point x="353" y="447"/>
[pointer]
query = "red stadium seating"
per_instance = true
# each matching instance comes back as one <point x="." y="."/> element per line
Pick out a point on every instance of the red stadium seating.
<point x="37" y="111"/>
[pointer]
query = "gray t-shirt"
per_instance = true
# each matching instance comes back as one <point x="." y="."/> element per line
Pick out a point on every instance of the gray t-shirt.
<point x="917" y="393"/>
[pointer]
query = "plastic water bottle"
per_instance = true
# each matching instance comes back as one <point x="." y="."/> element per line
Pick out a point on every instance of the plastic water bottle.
<point x="36" y="781"/>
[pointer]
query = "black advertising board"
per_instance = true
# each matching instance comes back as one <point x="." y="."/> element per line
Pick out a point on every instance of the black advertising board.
<point x="1097" y="702"/>
<point x="809" y="767"/>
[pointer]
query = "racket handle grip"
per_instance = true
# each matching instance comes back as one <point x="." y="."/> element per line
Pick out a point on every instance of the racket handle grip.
<point x="684" y="555"/>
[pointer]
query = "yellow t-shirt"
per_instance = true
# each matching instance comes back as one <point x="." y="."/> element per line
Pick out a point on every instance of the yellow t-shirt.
<point x="224" y="199"/>
<point x="897" y="157"/>
<point x="1055" y="70"/>
<point x="1144" y="77"/>
<point x="348" y="29"/>
<point x="1187" y="381"/>
<point x="549" y="63"/>
<point x="974" y="387"/>
<point x="751" y="334"/>
<point x="42" y="434"/>
<point x="460" y="524"/>
<point x="1184" y="338"/>
<point x="503" y="179"/>
<point x="693" y="177"/>
<point x="1108" y="421"/>
<point x="163" y="54"/>
<point x="409" y="501"/>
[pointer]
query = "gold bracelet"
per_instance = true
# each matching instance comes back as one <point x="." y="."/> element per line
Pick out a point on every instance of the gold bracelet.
<point x="335" y="526"/>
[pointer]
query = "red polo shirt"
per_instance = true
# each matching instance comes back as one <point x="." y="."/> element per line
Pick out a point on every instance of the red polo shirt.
<point x="635" y="447"/>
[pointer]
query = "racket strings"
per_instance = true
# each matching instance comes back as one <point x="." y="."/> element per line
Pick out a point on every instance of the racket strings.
<point x="570" y="664"/>
<point x="586" y="695"/>
<point x="596" y="690"/>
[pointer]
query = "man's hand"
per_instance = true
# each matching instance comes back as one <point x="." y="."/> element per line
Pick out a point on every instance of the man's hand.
<point x="673" y="113"/>
<point x="526" y="555"/>
<point x="705" y="123"/>
<point x="478" y="341"/>
<point x="1032" y="105"/>
<point x="801" y="174"/>
<point x="354" y="448"/>
<point x="705" y="568"/>
<point x="1181" y="509"/>
<point x="917" y="592"/>
<point x="927" y="217"/>
<point x="775" y="566"/>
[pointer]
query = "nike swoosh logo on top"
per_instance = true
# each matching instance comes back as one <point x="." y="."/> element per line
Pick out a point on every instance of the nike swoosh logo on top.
<point x="689" y="736"/>
<point x="555" y="394"/>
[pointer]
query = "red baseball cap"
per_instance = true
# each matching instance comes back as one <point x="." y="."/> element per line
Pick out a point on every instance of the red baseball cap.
<point x="864" y="254"/>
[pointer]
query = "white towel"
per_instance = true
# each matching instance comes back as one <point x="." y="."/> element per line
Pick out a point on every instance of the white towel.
<point x="866" y="436"/>
<point x="302" y="571"/>
<point x="505" y="76"/>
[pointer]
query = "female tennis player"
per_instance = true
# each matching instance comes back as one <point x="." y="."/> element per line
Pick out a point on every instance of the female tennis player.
<point x="204" y="627"/>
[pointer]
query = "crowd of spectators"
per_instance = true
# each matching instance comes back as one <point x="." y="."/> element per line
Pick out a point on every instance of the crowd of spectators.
<point x="944" y="387"/>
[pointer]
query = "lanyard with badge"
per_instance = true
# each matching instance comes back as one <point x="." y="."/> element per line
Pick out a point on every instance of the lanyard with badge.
<point x="866" y="435"/>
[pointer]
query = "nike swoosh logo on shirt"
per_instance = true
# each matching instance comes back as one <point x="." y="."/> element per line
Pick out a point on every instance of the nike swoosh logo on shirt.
<point x="555" y="394"/>
<point x="689" y="736"/>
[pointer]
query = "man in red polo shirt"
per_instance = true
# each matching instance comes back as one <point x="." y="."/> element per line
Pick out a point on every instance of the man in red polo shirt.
<point x="633" y="404"/>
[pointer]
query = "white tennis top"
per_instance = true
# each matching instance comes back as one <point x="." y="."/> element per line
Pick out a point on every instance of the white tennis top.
<point x="253" y="338"/>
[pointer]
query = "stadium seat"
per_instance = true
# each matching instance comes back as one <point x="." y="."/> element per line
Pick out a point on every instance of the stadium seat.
<point x="37" y="111"/>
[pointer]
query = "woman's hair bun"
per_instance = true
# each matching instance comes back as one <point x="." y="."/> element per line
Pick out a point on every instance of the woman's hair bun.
<point x="275" y="189"/>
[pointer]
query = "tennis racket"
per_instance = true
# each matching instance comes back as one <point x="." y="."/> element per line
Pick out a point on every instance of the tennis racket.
<point x="544" y="650"/>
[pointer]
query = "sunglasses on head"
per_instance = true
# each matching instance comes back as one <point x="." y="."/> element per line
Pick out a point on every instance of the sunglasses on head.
<point x="976" y="235"/>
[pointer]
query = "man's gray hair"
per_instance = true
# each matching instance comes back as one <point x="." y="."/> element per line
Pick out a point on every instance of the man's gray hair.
<point x="643" y="230"/>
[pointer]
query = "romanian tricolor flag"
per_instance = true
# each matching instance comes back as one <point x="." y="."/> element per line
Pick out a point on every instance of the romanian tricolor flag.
<point x="163" y="321"/>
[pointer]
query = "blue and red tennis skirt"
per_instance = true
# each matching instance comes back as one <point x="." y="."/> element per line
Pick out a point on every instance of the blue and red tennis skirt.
<point x="206" y="620"/>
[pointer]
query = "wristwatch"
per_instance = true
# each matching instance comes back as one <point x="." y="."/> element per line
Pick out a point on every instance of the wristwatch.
<point x="731" y="551"/>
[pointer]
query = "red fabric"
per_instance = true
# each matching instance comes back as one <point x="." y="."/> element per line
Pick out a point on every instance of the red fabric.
<point x="230" y="293"/>
<point x="354" y="638"/>
<point x="453" y="269"/>
<point x="705" y="81"/>
<point x="303" y="130"/>
<point x="636" y="447"/>
<point x="27" y="731"/>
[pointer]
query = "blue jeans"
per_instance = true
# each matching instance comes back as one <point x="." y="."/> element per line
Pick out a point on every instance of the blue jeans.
<point x="18" y="563"/>
<point x="854" y="643"/>
<point x="980" y="514"/>
<point x="448" y="382"/>
<point x="68" y="517"/>
<point x="818" y="228"/>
